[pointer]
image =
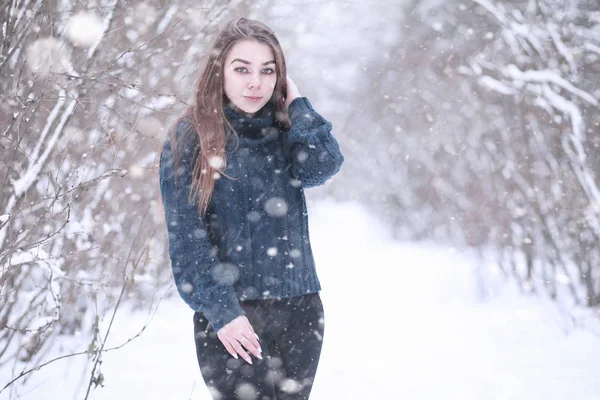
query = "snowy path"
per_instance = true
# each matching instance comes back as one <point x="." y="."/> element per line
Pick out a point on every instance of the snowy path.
<point x="402" y="322"/>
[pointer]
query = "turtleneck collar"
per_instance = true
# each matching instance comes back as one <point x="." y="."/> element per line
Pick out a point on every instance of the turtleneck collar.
<point x="251" y="127"/>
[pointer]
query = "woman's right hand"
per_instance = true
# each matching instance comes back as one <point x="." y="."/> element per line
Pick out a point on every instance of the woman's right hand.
<point x="238" y="333"/>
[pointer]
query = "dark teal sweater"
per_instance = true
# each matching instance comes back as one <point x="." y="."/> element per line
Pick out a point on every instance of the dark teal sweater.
<point x="253" y="242"/>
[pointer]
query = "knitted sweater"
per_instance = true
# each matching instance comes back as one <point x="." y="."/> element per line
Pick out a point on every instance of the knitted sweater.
<point x="253" y="242"/>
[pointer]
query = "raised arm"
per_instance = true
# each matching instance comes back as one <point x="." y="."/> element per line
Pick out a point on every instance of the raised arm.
<point x="314" y="154"/>
<point x="201" y="279"/>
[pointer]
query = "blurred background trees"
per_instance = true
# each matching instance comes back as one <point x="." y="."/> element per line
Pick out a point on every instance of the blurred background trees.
<point x="474" y="124"/>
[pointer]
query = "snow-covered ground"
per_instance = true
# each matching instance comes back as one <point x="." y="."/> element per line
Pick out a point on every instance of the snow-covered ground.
<point x="403" y="321"/>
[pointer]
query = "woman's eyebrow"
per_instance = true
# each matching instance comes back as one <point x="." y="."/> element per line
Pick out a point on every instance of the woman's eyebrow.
<point x="249" y="63"/>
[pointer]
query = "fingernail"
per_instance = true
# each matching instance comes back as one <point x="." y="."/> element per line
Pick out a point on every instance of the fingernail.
<point x="249" y="361"/>
<point x="257" y="338"/>
<point x="259" y="356"/>
<point x="235" y="356"/>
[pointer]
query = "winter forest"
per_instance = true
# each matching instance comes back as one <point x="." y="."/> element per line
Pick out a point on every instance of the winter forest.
<point x="472" y="125"/>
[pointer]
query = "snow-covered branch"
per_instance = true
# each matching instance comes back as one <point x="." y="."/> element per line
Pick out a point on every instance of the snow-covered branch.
<point x="545" y="76"/>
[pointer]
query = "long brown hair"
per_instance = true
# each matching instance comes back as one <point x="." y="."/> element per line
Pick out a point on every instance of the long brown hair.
<point x="206" y="111"/>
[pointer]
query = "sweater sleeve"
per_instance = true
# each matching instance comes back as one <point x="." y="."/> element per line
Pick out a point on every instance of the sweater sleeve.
<point x="202" y="281"/>
<point x="313" y="152"/>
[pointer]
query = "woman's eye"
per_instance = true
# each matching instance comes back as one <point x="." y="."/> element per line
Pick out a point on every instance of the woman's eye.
<point x="243" y="70"/>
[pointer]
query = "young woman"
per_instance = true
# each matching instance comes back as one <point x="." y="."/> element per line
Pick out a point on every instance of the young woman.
<point x="232" y="176"/>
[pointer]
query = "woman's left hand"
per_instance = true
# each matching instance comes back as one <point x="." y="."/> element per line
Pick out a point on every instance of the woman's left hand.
<point x="292" y="91"/>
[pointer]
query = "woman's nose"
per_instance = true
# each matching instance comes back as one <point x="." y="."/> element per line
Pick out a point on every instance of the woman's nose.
<point x="254" y="81"/>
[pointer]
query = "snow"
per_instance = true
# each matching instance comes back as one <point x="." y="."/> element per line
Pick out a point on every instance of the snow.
<point x="48" y="55"/>
<point x="547" y="76"/>
<point x="592" y="47"/>
<point x="85" y="29"/>
<point x="403" y="320"/>
<point x="29" y="177"/>
<point x="164" y="22"/>
<point x="50" y="119"/>
<point x="496" y="85"/>
<point x="564" y="51"/>
<point x="22" y="184"/>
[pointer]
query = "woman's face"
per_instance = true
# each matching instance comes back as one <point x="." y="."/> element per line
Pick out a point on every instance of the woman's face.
<point x="250" y="75"/>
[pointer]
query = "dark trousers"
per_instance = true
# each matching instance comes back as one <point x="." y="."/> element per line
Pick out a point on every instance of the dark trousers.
<point x="290" y="334"/>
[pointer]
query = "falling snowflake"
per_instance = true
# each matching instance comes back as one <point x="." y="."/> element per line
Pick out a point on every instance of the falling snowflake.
<point x="246" y="391"/>
<point x="47" y="55"/>
<point x="253" y="216"/>
<point x="225" y="273"/>
<point x="291" y="386"/>
<point x="85" y="29"/>
<point x="295" y="253"/>
<point x="186" y="287"/>
<point x="276" y="207"/>
<point x="216" y="162"/>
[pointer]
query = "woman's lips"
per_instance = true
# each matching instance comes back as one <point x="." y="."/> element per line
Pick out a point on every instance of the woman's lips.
<point x="254" y="99"/>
